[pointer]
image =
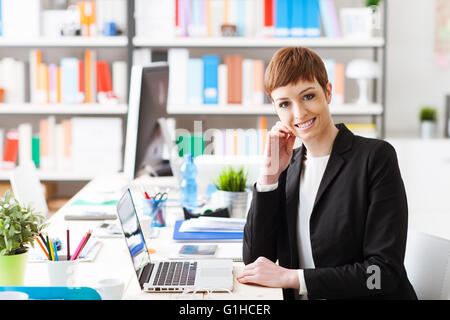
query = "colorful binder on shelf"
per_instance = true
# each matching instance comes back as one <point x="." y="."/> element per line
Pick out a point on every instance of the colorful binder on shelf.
<point x="11" y="150"/>
<point x="69" y="80"/>
<point x="210" y="79"/>
<point x="282" y="18"/>
<point x="312" y="18"/>
<point x="298" y="26"/>
<point x="234" y="65"/>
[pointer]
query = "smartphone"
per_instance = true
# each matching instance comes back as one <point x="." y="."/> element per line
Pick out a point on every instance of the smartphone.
<point x="202" y="250"/>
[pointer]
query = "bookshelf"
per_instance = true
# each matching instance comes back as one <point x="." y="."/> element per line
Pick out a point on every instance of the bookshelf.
<point x="127" y="43"/>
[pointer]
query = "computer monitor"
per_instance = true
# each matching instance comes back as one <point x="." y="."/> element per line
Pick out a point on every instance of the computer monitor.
<point x="144" y="139"/>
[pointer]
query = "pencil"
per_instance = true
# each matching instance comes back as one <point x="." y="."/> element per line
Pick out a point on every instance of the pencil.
<point x="55" y="250"/>
<point x="50" y="243"/>
<point x="75" y="254"/>
<point x="48" y="247"/>
<point x="42" y="247"/>
<point x="68" y="244"/>
<point x="42" y="238"/>
<point x="84" y="243"/>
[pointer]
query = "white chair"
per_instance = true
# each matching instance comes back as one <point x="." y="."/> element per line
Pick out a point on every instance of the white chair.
<point x="427" y="263"/>
<point x="27" y="188"/>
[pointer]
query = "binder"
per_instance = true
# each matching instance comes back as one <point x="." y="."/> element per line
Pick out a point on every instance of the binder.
<point x="282" y="18"/>
<point x="69" y="80"/>
<point x="313" y="19"/>
<point x="195" y="83"/>
<point x="205" y="236"/>
<point x="210" y="78"/>
<point x="234" y="65"/>
<point x="298" y="27"/>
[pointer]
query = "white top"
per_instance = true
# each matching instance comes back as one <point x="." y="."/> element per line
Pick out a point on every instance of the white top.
<point x="311" y="176"/>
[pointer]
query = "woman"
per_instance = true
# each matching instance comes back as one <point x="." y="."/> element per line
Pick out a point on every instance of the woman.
<point x="333" y="212"/>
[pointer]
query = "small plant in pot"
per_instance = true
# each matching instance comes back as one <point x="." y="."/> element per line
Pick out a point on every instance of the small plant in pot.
<point x="231" y="190"/>
<point x="428" y="116"/>
<point x="19" y="226"/>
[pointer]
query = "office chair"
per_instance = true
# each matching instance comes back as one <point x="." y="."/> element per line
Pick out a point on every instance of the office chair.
<point x="427" y="263"/>
<point x="27" y="188"/>
<point x="57" y="293"/>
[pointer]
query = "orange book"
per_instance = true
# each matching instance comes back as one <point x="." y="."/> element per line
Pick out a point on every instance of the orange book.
<point x="88" y="75"/>
<point x="234" y="64"/>
<point x="81" y="81"/>
<point x="339" y="84"/>
<point x="11" y="149"/>
<point x="67" y="129"/>
<point x="258" y="82"/>
<point x="87" y="17"/>
<point x="58" y="84"/>
<point x="42" y="92"/>
<point x="235" y="142"/>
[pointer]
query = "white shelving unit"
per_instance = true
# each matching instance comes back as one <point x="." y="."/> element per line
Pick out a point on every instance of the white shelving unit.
<point x="70" y="109"/>
<point x="55" y="175"/>
<point x="258" y="42"/>
<point x="267" y="109"/>
<point x="101" y="42"/>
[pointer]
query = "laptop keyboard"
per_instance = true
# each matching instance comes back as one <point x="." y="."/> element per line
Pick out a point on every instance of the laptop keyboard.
<point x="176" y="274"/>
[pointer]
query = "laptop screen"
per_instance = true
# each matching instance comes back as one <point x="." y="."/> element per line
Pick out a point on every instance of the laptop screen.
<point x="132" y="232"/>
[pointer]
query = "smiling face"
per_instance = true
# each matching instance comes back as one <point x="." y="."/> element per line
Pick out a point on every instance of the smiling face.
<point x="303" y="107"/>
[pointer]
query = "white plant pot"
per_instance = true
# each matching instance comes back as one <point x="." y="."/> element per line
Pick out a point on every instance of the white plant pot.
<point x="427" y="129"/>
<point x="236" y="202"/>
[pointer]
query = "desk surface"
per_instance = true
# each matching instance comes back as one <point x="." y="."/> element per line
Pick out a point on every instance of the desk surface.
<point x="113" y="260"/>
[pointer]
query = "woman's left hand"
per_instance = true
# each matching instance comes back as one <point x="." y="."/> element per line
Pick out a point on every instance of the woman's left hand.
<point x="266" y="273"/>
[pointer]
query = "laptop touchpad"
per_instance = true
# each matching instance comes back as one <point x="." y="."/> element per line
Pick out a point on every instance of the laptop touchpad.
<point x="214" y="272"/>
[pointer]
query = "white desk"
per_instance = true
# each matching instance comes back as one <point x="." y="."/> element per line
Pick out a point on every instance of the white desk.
<point x="113" y="260"/>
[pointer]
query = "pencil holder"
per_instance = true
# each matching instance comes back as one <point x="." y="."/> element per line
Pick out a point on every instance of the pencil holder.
<point x="156" y="210"/>
<point x="62" y="273"/>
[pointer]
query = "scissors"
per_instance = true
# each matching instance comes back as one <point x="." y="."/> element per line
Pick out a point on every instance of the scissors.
<point x="160" y="196"/>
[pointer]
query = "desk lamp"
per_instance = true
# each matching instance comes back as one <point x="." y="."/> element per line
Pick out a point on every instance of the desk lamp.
<point x="363" y="70"/>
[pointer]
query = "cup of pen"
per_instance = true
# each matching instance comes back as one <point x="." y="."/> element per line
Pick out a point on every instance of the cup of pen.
<point x="62" y="273"/>
<point x="155" y="208"/>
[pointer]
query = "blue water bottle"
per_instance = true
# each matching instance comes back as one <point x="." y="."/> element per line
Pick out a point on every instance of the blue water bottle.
<point x="188" y="186"/>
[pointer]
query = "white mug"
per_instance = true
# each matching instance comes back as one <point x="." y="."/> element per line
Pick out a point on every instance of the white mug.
<point x="62" y="273"/>
<point x="13" y="295"/>
<point x="110" y="289"/>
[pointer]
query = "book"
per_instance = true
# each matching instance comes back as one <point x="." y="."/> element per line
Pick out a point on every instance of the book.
<point x="333" y="16"/>
<point x="90" y="75"/>
<point x="243" y="18"/>
<point x="198" y="27"/>
<point x="326" y="19"/>
<point x="25" y="148"/>
<point x="11" y="149"/>
<point x="247" y="82"/>
<point x="53" y="83"/>
<point x="178" y="60"/>
<point x="35" y="57"/>
<point x="205" y="236"/>
<point x="210" y="79"/>
<point x="105" y="94"/>
<point x="313" y="19"/>
<point x="297" y="27"/>
<point x="282" y="18"/>
<point x="216" y="19"/>
<point x="35" y="145"/>
<point x="339" y="84"/>
<point x="69" y="80"/>
<point x="234" y="66"/>
<point x="268" y="27"/>
<point x="222" y="73"/>
<point x="119" y="77"/>
<point x="258" y="82"/>
<point x="81" y="83"/>
<point x="195" y="84"/>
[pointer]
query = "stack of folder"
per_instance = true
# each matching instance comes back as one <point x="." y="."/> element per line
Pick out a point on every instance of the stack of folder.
<point x="209" y="229"/>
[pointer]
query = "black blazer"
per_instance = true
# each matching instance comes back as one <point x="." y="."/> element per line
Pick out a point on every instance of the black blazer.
<point x="359" y="219"/>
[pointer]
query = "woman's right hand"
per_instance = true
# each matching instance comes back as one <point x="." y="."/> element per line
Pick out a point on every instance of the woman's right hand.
<point x="278" y="153"/>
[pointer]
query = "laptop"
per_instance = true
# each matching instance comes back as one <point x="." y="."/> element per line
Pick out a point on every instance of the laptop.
<point x="215" y="275"/>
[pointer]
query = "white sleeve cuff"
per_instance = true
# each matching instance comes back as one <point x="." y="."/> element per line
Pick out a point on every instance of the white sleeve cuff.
<point x="266" y="187"/>
<point x="301" y="278"/>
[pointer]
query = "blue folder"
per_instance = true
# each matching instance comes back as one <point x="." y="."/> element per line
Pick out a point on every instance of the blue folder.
<point x="210" y="80"/>
<point x="205" y="236"/>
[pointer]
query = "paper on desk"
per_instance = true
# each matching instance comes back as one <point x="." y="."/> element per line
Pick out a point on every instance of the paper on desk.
<point x="213" y="224"/>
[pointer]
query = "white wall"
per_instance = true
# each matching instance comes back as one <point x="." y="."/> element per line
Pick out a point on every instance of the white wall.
<point x="412" y="75"/>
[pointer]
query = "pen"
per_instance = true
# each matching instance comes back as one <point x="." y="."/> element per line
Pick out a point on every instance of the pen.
<point x="68" y="244"/>
<point x="42" y="238"/>
<point x="55" y="250"/>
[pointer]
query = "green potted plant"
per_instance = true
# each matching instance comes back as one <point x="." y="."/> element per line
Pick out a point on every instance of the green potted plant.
<point x="428" y="117"/>
<point x="231" y="188"/>
<point x="19" y="226"/>
<point x="374" y="5"/>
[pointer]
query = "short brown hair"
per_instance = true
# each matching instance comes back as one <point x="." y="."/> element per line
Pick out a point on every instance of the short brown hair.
<point x="292" y="64"/>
